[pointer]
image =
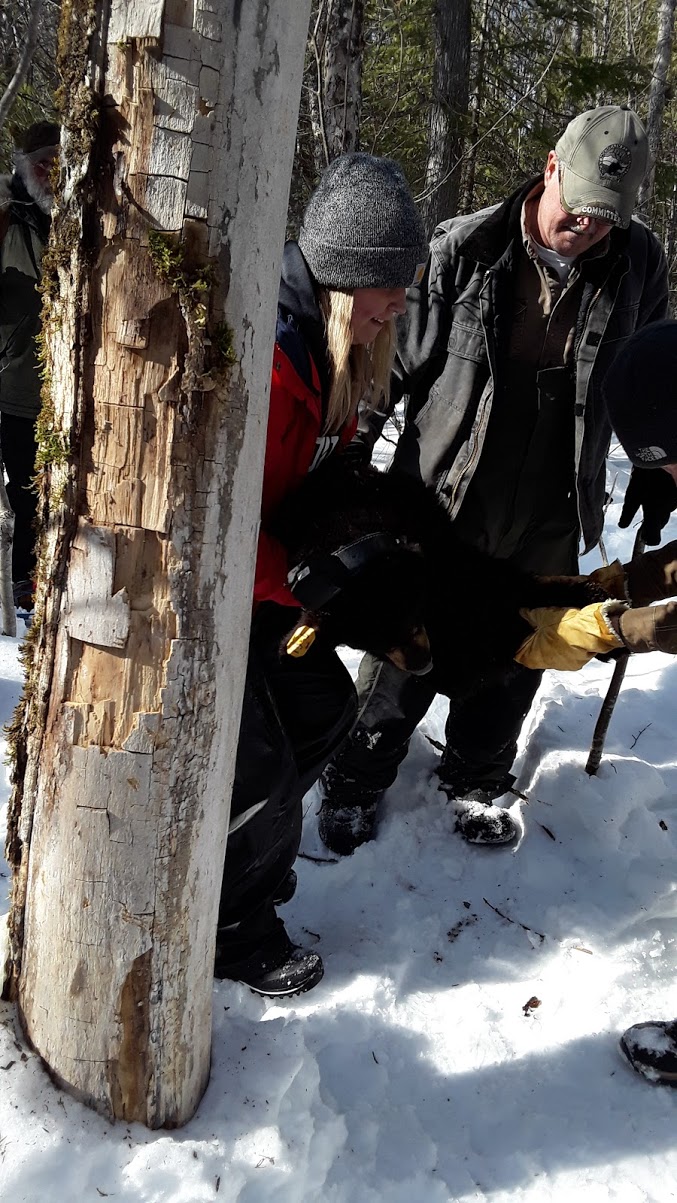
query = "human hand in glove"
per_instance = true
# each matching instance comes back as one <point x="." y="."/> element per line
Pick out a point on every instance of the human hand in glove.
<point x="567" y="639"/>
<point x="647" y="578"/>
<point x="652" y="576"/>
<point x="656" y="492"/>
<point x="649" y="629"/>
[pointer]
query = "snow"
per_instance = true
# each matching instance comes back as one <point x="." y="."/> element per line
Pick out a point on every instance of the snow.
<point x="416" y="1072"/>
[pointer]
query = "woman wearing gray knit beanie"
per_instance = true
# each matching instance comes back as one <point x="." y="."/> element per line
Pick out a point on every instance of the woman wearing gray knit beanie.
<point x="361" y="243"/>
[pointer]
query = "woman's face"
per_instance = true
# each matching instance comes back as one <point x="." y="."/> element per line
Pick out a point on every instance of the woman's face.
<point x="372" y="307"/>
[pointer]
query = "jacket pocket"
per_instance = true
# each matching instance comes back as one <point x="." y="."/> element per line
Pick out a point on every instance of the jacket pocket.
<point x="467" y="342"/>
<point x="622" y="323"/>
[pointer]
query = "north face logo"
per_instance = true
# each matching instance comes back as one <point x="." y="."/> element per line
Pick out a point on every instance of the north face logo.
<point x="614" y="161"/>
<point x="649" y="455"/>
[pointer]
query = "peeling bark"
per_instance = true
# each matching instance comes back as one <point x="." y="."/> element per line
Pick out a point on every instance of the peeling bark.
<point x="178" y="140"/>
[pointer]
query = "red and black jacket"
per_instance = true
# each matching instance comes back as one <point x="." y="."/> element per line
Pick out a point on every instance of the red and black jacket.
<point x="299" y="391"/>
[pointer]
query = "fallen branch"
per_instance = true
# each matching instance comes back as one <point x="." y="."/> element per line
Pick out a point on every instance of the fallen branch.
<point x="639" y="733"/>
<point x="517" y="923"/>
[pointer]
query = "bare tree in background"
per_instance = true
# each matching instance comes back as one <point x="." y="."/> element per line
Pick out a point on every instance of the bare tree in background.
<point x="28" y="74"/>
<point x="448" y="112"/>
<point x="342" y="70"/>
<point x="657" y="96"/>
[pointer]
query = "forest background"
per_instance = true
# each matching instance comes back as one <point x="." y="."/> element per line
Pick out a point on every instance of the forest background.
<point x="468" y="95"/>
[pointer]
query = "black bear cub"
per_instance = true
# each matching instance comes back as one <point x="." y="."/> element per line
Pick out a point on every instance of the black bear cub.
<point x="418" y="585"/>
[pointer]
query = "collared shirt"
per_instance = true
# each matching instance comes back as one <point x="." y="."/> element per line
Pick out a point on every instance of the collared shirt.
<point x="545" y="302"/>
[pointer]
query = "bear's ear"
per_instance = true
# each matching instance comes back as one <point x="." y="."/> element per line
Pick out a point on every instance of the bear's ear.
<point x="302" y="636"/>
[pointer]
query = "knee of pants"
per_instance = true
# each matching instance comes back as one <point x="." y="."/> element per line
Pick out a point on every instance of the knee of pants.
<point x="348" y="716"/>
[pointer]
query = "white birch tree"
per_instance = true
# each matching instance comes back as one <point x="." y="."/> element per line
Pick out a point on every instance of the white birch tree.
<point x="161" y="283"/>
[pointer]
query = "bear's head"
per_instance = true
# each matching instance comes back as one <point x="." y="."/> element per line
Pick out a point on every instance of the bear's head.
<point x="369" y="595"/>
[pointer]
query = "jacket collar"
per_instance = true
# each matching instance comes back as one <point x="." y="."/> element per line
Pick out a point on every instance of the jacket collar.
<point x="298" y="299"/>
<point x="488" y="242"/>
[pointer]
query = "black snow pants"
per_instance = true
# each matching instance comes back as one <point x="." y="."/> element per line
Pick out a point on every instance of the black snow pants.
<point x="17" y="440"/>
<point x="296" y="713"/>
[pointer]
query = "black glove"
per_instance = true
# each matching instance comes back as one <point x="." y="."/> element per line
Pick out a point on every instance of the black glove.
<point x="656" y="492"/>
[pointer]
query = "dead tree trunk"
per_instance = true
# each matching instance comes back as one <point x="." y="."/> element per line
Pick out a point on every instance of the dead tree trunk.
<point x="161" y="283"/>
<point x="657" y="92"/>
<point x="475" y="107"/>
<point x="342" y="75"/>
<point x="448" y="112"/>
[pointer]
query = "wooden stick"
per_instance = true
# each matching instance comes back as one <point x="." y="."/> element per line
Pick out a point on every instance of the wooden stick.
<point x="602" y="724"/>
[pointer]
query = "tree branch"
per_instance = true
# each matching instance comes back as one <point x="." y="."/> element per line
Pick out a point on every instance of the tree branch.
<point x="14" y="85"/>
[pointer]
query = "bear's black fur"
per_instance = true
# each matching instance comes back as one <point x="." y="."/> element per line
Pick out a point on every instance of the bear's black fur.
<point x="468" y="603"/>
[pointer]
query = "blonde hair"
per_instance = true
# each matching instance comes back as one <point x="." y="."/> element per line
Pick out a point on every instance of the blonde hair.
<point x="359" y="374"/>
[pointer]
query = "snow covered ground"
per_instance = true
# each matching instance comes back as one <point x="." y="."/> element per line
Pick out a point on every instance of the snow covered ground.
<point x="415" y="1072"/>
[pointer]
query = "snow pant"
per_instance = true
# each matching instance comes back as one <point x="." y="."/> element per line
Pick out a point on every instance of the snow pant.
<point x="296" y="713"/>
<point x="18" y="446"/>
<point x="482" y="727"/>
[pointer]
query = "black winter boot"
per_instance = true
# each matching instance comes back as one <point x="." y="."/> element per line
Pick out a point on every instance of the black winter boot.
<point x="276" y="969"/>
<point x="478" y="819"/>
<point x="651" y="1049"/>
<point x="348" y="812"/>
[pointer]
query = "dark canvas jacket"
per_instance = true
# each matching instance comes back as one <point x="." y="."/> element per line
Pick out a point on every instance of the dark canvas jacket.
<point x="457" y="321"/>
<point x="25" y="230"/>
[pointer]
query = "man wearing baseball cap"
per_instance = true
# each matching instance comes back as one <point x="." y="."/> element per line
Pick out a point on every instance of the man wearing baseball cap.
<point x="521" y="310"/>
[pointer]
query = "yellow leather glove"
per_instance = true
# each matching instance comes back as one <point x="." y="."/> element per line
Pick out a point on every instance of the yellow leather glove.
<point x="568" y="639"/>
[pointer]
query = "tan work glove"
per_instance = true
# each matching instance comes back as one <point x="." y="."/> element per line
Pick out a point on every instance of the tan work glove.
<point x="568" y="639"/>
<point x="649" y="629"/>
<point x="652" y="576"/>
<point x="648" y="578"/>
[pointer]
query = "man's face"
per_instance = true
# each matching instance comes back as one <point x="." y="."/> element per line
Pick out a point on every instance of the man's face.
<point x="42" y="167"/>
<point x="35" y="171"/>
<point x="567" y="234"/>
<point x="671" y="469"/>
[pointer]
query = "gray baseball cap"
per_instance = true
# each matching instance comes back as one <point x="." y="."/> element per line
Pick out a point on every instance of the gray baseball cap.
<point x="603" y="156"/>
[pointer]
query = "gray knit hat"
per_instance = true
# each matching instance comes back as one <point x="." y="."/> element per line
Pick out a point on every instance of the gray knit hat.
<point x="361" y="228"/>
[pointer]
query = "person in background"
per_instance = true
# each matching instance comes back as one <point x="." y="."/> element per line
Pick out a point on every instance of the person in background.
<point x="342" y="285"/>
<point x="521" y="310"/>
<point x="25" y="207"/>
<point x="641" y="396"/>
